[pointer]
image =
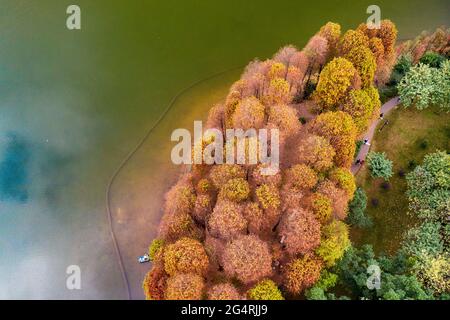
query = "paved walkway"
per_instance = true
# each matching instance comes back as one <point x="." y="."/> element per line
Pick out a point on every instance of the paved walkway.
<point x="385" y="109"/>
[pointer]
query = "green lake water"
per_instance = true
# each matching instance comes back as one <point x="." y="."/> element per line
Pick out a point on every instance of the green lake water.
<point x="73" y="104"/>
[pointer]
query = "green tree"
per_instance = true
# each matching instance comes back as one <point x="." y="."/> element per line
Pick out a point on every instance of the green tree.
<point x="356" y="210"/>
<point x="380" y="166"/>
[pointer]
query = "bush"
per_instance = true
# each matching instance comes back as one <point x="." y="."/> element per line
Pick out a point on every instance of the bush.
<point x="375" y="202"/>
<point x="380" y="166"/>
<point x="423" y="144"/>
<point x="386" y="186"/>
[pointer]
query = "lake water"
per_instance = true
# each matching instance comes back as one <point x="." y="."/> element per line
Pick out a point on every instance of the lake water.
<point x="73" y="104"/>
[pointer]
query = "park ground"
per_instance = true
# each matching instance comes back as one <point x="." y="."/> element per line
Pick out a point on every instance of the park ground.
<point x="408" y="137"/>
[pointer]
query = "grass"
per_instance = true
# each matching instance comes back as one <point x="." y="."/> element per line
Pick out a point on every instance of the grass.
<point x="409" y="136"/>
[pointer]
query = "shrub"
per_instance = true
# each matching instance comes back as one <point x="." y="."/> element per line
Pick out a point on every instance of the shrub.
<point x="379" y="165"/>
<point x="185" y="256"/>
<point x="375" y="202"/>
<point x="265" y="290"/>
<point x="185" y="287"/>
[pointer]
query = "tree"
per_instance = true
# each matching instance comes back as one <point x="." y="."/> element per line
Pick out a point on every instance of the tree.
<point x="156" y="249"/>
<point x="300" y="177"/>
<point x="265" y="290"/>
<point x="356" y="210"/>
<point x="380" y="166"/>
<point x="299" y="231"/>
<point x="396" y="281"/>
<point x="223" y="291"/>
<point x="344" y="179"/>
<point x="185" y="287"/>
<point x="364" y="61"/>
<point x="335" y="80"/>
<point x="277" y="93"/>
<point x="388" y="34"/>
<point x="154" y="284"/>
<point x="226" y="220"/>
<point x="220" y="174"/>
<point x="339" y="198"/>
<point x="247" y="258"/>
<point x="177" y="225"/>
<point x="360" y="106"/>
<point x="332" y="32"/>
<point x="316" y="152"/>
<point x="334" y="242"/>
<point x="284" y="118"/>
<point x="302" y="273"/>
<point x="429" y="187"/>
<point x="424" y="86"/>
<point x="181" y="197"/>
<point x="268" y="196"/>
<point x="185" y="256"/>
<point x="249" y="114"/>
<point x="321" y="206"/>
<point x="432" y="59"/>
<point x="340" y="129"/>
<point x="236" y="190"/>
<point x="352" y="39"/>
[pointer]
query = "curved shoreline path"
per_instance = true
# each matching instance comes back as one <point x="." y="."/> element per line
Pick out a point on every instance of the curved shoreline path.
<point x="130" y="155"/>
<point x="362" y="154"/>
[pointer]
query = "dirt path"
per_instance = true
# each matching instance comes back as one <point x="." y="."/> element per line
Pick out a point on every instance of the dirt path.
<point x="385" y="109"/>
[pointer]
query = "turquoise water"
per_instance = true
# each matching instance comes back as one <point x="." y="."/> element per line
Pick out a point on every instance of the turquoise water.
<point x="74" y="103"/>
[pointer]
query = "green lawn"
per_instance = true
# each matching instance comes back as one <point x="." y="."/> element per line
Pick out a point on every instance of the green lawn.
<point x="409" y="136"/>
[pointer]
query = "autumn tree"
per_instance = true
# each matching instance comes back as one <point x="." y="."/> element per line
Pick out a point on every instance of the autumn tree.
<point x="332" y="32"/>
<point x="360" y="106"/>
<point x="236" y="189"/>
<point x="223" y="291"/>
<point x="344" y="179"/>
<point x="277" y="93"/>
<point x="321" y="206"/>
<point x="268" y="196"/>
<point x="340" y="129"/>
<point x="226" y="220"/>
<point x="300" y="177"/>
<point x="364" y="61"/>
<point x="154" y="283"/>
<point x="299" y="231"/>
<point x="316" y="152"/>
<point x="248" y="259"/>
<point x="334" y="242"/>
<point x="284" y="118"/>
<point x="265" y="290"/>
<point x="185" y="256"/>
<point x="249" y="114"/>
<point x="184" y="286"/>
<point x="335" y="80"/>
<point x="220" y="174"/>
<point x="339" y="198"/>
<point x="302" y="273"/>
<point x="352" y="39"/>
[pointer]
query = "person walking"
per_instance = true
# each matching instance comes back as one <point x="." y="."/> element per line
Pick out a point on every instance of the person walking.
<point x="366" y="142"/>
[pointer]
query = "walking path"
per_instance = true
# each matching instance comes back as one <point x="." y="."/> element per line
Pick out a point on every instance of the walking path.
<point x="385" y="109"/>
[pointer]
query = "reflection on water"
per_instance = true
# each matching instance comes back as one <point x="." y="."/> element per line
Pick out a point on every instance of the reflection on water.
<point x="13" y="170"/>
